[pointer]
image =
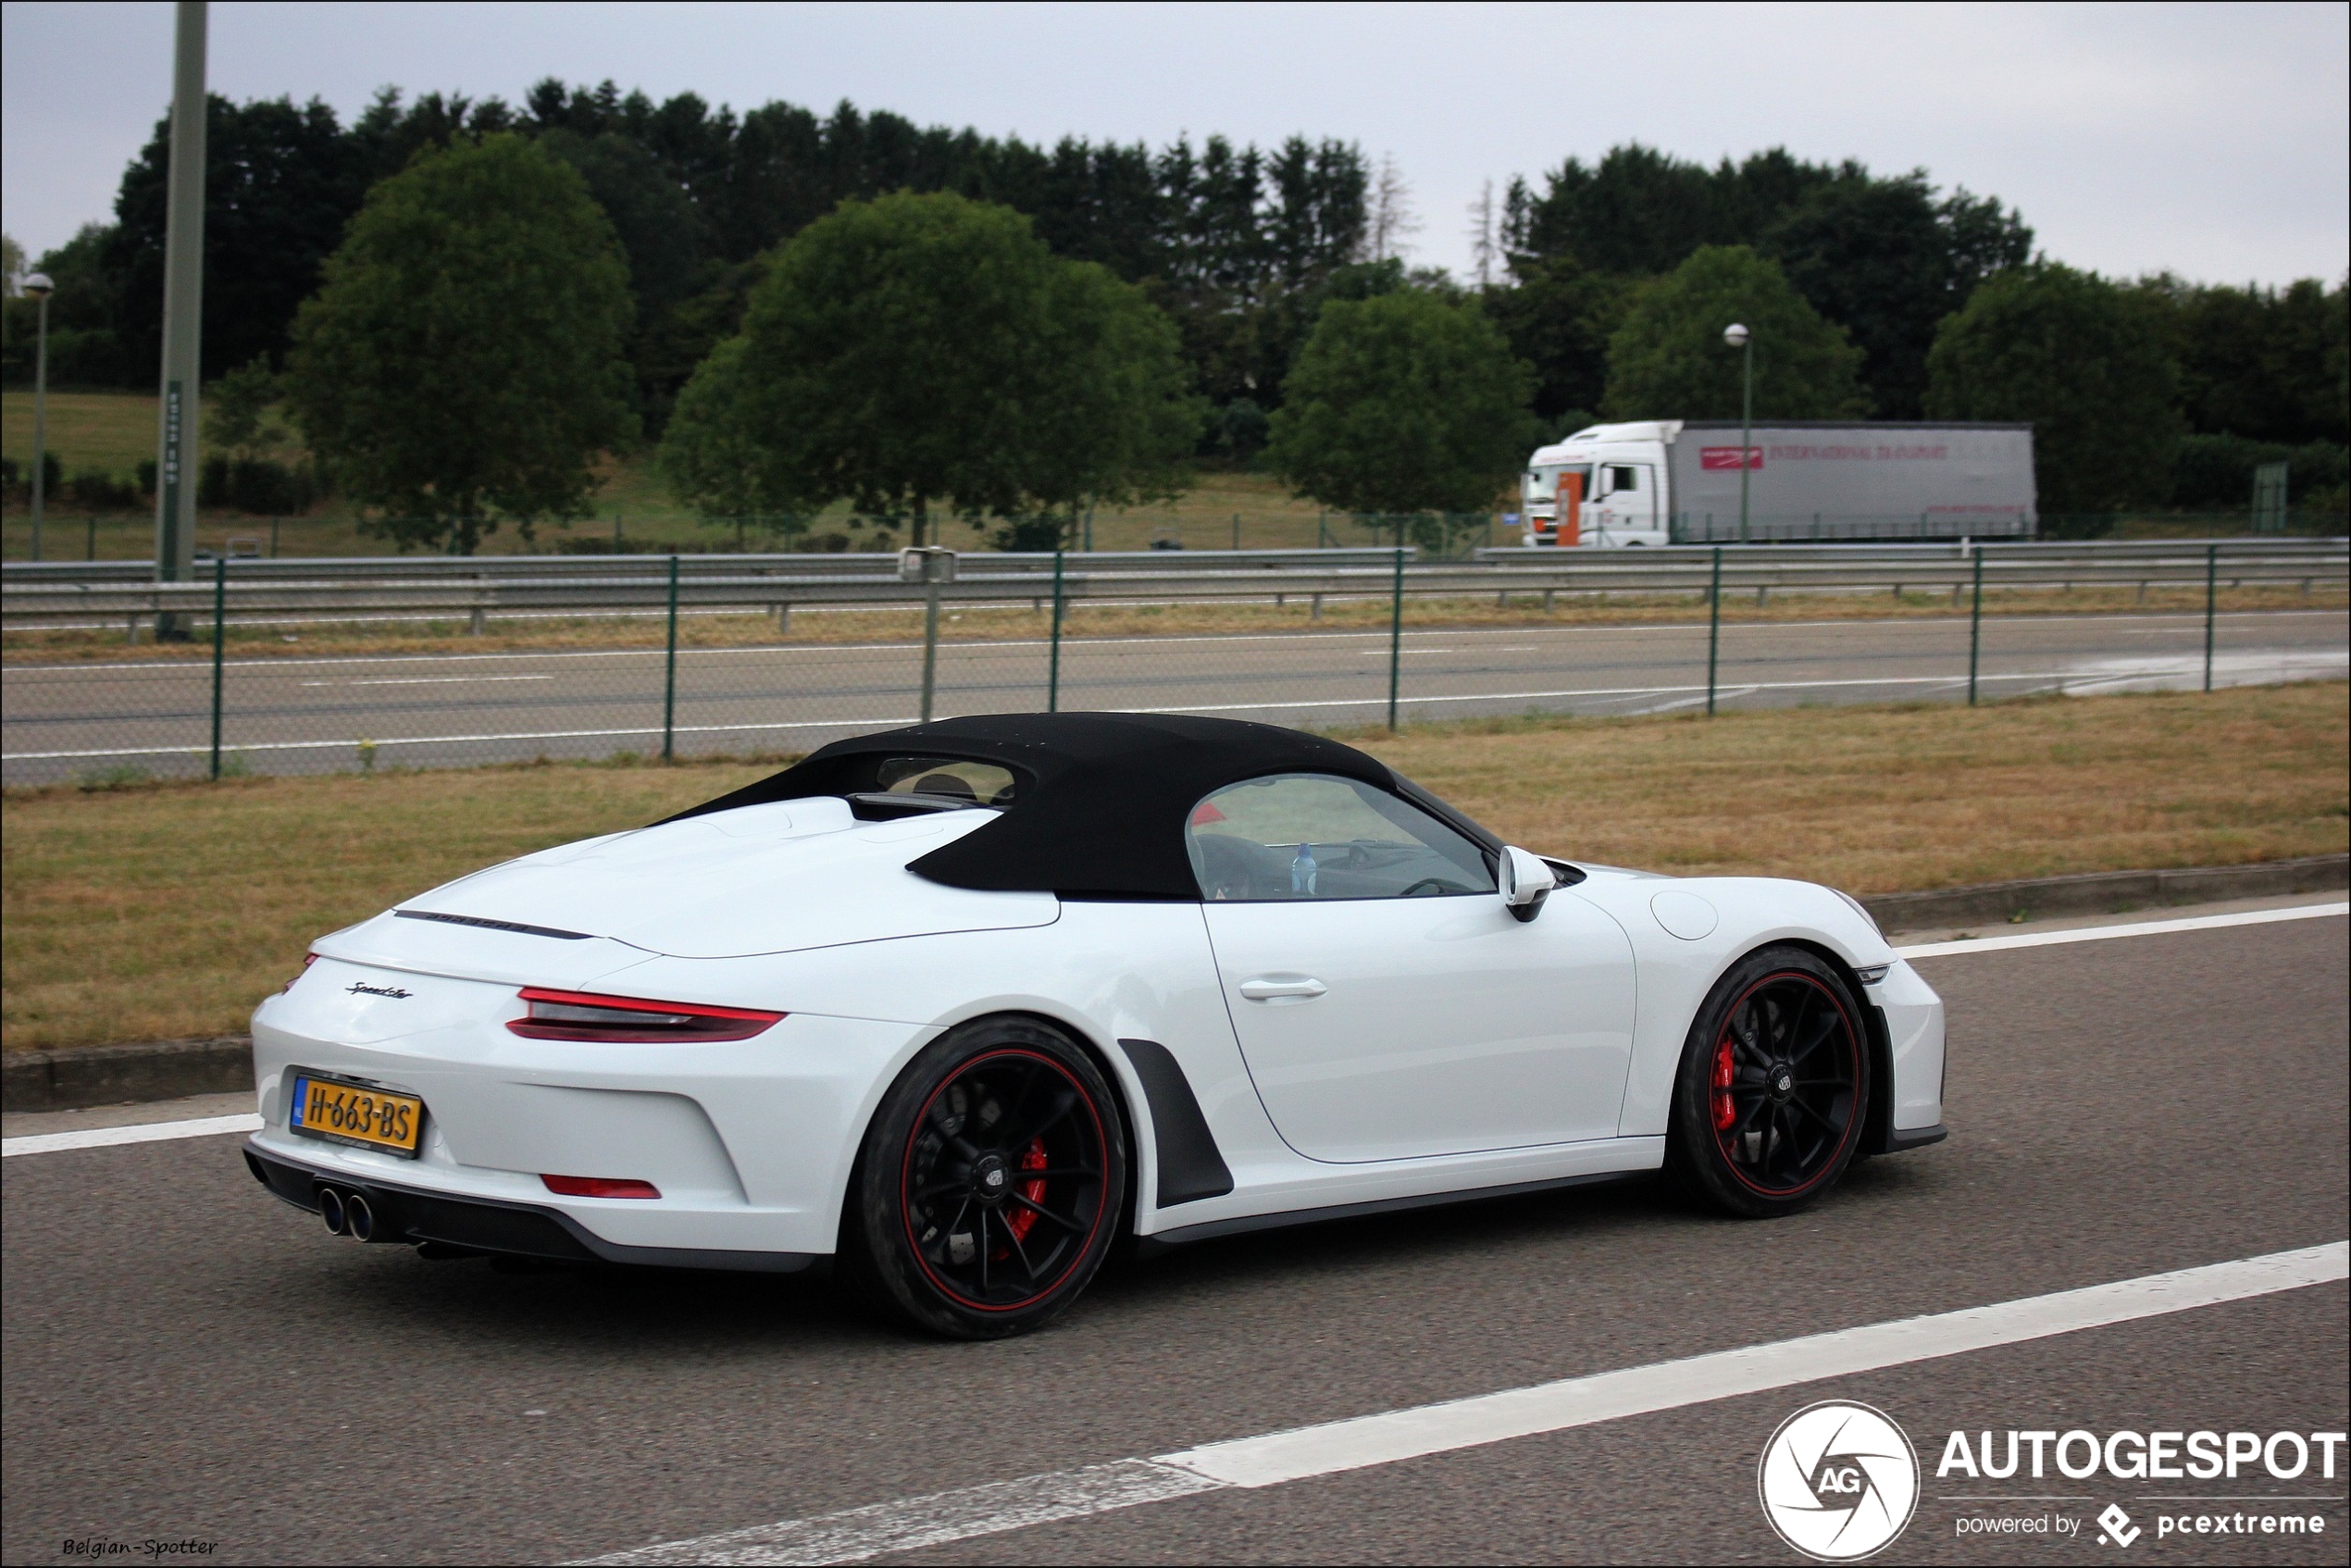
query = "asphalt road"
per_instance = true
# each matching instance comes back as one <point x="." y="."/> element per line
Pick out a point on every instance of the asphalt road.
<point x="437" y="710"/>
<point x="185" y="1357"/>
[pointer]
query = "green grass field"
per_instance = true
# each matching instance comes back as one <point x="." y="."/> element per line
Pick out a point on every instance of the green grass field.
<point x="116" y="430"/>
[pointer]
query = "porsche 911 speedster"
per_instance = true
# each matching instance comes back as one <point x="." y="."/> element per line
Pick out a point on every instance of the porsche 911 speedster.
<point x="964" y="1004"/>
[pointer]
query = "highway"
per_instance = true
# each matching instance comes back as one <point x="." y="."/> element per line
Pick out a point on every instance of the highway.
<point x="187" y="1359"/>
<point x="310" y="714"/>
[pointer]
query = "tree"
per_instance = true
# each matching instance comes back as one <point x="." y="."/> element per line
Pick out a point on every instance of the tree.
<point x="281" y="181"/>
<point x="924" y="351"/>
<point x="1558" y="317"/>
<point x="1669" y="361"/>
<point x="1869" y="255"/>
<point x="2084" y="361"/>
<point x="237" y="411"/>
<point x="661" y="234"/>
<point x="461" y="361"/>
<point x="1388" y="234"/>
<point x="1405" y="402"/>
<point x="2265" y="364"/>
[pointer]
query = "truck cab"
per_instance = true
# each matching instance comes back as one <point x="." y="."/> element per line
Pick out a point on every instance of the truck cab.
<point x="1604" y="486"/>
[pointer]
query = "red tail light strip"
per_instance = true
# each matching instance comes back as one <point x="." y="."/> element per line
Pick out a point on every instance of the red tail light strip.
<point x="587" y="1015"/>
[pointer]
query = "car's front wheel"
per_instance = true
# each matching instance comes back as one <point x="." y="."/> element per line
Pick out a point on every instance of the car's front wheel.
<point x="988" y="1188"/>
<point x="1773" y="1087"/>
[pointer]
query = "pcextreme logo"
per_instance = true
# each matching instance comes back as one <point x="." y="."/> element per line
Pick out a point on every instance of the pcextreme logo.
<point x="1838" y="1481"/>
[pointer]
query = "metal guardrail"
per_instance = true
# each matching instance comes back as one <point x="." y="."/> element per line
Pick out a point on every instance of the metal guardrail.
<point x="795" y="565"/>
<point x="776" y="584"/>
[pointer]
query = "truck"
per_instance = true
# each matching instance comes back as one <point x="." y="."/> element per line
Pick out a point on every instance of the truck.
<point x="1676" y="481"/>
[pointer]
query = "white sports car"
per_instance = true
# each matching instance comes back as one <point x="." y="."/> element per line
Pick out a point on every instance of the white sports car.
<point x="964" y="1004"/>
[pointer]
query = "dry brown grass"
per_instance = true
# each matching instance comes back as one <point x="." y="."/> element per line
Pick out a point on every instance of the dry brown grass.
<point x="168" y="910"/>
<point x="852" y="626"/>
<point x="1895" y="799"/>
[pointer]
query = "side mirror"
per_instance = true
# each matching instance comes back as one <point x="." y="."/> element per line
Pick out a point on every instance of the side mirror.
<point x="1526" y="882"/>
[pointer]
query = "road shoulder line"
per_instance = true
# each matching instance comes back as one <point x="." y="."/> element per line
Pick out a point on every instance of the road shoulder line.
<point x="144" y="1132"/>
<point x="2139" y="929"/>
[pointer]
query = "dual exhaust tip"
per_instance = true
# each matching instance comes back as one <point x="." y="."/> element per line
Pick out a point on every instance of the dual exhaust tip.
<point x="348" y="1212"/>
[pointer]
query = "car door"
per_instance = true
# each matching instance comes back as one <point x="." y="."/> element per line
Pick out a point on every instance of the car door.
<point x="1387" y="1004"/>
<point x="1628" y="505"/>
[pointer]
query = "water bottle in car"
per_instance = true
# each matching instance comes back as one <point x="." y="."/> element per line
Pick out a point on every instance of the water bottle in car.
<point x="1301" y="872"/>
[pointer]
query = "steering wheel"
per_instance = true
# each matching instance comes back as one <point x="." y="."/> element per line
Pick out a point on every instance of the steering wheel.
<point x="1437" y="884"/>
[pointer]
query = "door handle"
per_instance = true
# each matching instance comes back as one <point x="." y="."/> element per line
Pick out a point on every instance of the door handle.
<point x="1283" y="987"/>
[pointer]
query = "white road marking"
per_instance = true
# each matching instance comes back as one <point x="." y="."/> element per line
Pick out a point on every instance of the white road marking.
<point x="914" y="1522"/>
<point x="2138" y="929"/>
<point x="428" y="681"/>
<point x="145" y="1132"/>
<point x="1332" y="1447"/>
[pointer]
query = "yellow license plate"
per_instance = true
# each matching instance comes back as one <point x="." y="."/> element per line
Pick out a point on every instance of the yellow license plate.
<point x="354" y="1114"/>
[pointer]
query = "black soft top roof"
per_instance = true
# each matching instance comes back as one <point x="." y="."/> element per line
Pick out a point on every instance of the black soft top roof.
<point x="1101" y="810"/>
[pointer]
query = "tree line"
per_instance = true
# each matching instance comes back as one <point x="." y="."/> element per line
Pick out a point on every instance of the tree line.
<point x="1255" y="294"/>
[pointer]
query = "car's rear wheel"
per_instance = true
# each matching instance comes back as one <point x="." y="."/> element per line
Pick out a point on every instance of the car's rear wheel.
<point x="989" y="1184"/>
<point x="1773" y="1087"/>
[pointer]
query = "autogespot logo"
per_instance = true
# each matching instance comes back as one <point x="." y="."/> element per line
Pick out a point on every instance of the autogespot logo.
<point x="1838" y="1481"/>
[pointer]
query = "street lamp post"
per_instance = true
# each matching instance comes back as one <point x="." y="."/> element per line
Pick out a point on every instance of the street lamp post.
<point x="1737" y="336"/>
<point x="40" y="288"/>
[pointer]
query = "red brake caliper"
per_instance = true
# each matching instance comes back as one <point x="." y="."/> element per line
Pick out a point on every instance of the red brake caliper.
<point x="1019" y="1221"/>
<point x="1723" y="1114"/>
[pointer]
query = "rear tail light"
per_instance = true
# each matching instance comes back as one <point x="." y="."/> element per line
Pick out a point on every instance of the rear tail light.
<point x="627" y="1019"/>
<point x="599" y="1186"/>
<point x="307" y="960"/>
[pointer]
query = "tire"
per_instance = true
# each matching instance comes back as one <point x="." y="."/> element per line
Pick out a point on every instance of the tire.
<point x="946" y="1226"/>
<point x="1773" y="1087"/>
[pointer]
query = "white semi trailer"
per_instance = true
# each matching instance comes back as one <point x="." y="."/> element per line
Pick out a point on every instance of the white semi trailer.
<point x="1675" y="481"/>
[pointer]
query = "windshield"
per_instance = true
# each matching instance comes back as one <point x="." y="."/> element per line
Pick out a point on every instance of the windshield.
<point x="1543" y="483"/>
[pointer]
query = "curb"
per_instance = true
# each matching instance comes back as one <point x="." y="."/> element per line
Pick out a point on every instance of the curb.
<point x="2106" y="892"/>
<point x="106" y="1074"/>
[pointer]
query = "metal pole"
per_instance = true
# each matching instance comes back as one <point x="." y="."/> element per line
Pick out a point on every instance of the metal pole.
<point x="40" y="423"/>
<point x="1053" y="659"/>
<point x="669" y="675"/>
<point x="220" y="648"/>
<point x="1713" y="627"/>
<point x="182" y="316"/>
<point x="1975" y="629"/>
<point x="1396" y="639"/>
<point x="2212" y="605"/>
<point x="930" y="632"/>
<point x="1747" y="423"/>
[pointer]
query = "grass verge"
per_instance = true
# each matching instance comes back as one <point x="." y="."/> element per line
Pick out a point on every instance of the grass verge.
<point x="168" y="910"/>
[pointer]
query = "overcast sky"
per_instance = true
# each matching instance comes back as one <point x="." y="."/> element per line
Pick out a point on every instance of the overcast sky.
<point x="2211" y="140"/>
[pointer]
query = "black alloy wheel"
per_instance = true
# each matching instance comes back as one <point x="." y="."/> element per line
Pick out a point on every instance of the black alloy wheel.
<point x="1774" y="1086"/>
<point x="988" y="1186"/>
